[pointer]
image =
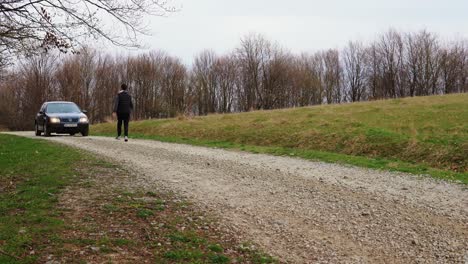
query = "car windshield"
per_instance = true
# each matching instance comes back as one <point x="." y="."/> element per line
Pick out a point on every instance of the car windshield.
<point x="62" y="108"/>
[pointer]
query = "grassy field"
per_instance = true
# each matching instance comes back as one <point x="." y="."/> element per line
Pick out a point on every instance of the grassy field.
<point x="60" y="204"/>
<point x="421" y="135"/>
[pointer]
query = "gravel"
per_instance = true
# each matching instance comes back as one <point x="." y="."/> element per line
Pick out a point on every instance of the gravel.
<point x="302" y="211"/>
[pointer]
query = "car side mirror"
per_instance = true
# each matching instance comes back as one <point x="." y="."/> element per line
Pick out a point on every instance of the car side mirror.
<point x="41" y="112"/>
<point x="84" y="111"/>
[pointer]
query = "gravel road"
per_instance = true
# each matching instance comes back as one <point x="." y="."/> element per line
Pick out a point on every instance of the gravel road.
<point x="302" y="211"/>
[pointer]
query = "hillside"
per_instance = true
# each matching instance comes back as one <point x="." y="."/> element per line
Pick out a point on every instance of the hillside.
<point x="424" y="135"/>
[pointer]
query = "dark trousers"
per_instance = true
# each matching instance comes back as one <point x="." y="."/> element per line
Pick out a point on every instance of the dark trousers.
<point x="125" y="117"/>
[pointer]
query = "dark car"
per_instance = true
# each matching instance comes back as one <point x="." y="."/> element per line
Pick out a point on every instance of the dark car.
<point x="61" y="118"/>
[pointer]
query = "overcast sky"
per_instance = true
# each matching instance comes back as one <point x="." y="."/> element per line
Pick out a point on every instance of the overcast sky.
<point x="298" y="25"/>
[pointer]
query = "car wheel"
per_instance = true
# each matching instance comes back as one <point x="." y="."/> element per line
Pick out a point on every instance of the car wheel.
<point x="85" y="132"/>
<point x="36" y="128"/>
<point x="46" y="131"/>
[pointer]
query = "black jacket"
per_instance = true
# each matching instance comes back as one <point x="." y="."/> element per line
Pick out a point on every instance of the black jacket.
<point x="123" y="103"/>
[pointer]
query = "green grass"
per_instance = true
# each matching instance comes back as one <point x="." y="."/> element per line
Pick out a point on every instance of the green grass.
<point x="144" y="213"/>
<point x="421" y="135"/>
<point x="32" y="173"/>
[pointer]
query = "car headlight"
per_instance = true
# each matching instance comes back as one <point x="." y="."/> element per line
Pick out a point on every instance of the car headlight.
<point x="83" y="120"/>
<point x="55" y="120"/>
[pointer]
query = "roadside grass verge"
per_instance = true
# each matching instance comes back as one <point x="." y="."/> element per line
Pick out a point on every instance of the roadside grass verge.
<point x="421" y="135"/>
<point x="157" y="226"/>
<point x="32" y="174"/>
<point x="61" y="204"/>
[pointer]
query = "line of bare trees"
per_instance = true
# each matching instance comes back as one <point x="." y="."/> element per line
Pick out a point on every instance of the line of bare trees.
<point x="258" y="74"/>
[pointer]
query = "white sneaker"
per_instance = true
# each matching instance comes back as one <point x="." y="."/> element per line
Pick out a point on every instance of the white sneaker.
<point x="126" y="139"/>
<point x="118" y="137"/>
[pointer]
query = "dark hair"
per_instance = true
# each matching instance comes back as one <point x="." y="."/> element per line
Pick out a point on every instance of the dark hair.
<point x="124" y="86"/>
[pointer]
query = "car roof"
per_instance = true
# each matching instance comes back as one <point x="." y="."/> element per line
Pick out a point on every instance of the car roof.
<point x="59" y="102"/>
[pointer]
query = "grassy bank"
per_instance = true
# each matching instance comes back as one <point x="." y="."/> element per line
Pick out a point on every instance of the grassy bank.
<point x="423" y="135"/>
<point x="61" y="205"/>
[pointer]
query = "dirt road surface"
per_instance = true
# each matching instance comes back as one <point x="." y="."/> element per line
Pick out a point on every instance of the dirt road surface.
<point x="302" y="211"/>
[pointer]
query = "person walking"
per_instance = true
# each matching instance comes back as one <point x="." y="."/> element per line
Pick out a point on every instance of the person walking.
<point x="123" y="107"/>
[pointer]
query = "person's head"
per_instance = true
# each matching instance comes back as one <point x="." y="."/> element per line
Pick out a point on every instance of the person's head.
<point x="124" y="86"/>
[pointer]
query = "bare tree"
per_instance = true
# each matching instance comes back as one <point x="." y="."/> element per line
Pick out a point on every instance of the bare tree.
<point x="390" y="49"/>
<point x="158" y="83"/>
<point x="453" y="68"/>
<point x="464" y="69"/>
<point x="68" y="80"/>
<point x="106" y="84"/>
<point x="332" y="76"/>
<point x="275" y="78"/>
<point x="264" y="69"/>
<point x="143" y="73"/>
<point x="423" y="61"/>
<point x="251" y="58"/>
<point x="307" y="80"/>
<point x="75" y="78"/>
<point x="374" y="75"/>
<point x="354" y="57"/>
<point x="25" y="25"/>
<point x="33" y="85"/>
<point x="9" y="101"/>
<point x="228" y="81"/>
<point x="174" y="80"/>
<point x="204" y="82"/>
